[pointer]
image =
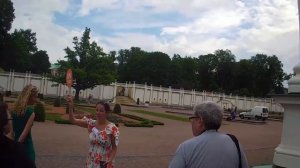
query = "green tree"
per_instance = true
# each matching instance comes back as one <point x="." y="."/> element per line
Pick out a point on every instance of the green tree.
<point x="155" y="68"/>
<point x="206" y="72"/>
<point x="225" y="70"/>
<point x="7" y="16"/>
<point x="276" y="74"/>
<point x="244" y="83"/>
<point x="90" y="65"/>
<point x="182" y="72"/>
<point x="268" y="75"/>
<point x="174" y="74"/>
<point x="131" y="65"/>
<point x="40" y="62"/>
<point x="6" y="45"/>
<point x="122" y="57"/>
<point x="20" y="46"/>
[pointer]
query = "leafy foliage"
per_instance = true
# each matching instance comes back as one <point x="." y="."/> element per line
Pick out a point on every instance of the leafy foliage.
<point x="7" y="16"/>
<point x="39" y="111"/>
<point x="40" y="62"/>
<point x="217" y="72"/>
<point x="117" y="109"/>
<point x="90" y="65"/>
<point x="57" y="102"/>
<point x="20" y="53"/>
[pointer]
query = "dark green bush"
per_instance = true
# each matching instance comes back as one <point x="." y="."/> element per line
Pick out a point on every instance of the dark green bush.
<point x="1" y="97"/>
<point x="114" y="119"/>
<point x="39" y="110"/>
<point x="7" y="93"/>
<point x="141" y="119"/>
<point x="135" y="124"/>
<point x="62" y="121"/>
<point x="57" y="102"/>
<point x="40" y="96"/>
<point x="117" y="109"/>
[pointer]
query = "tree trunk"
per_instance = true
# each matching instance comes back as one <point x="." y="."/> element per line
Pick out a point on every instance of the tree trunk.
<point x="77" y="94"/>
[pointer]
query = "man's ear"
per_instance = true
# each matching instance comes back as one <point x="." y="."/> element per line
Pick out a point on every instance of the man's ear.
<point x="200" y="123"/>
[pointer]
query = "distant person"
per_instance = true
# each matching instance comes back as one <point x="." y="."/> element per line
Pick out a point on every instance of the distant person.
<point x="90" y="98"/>
<point x="23" y="117"/>
<point x="209" y="148"/>
<point x="12" y="154"/>
<point x="103" y="136"/>
<point x="233" y="113"/>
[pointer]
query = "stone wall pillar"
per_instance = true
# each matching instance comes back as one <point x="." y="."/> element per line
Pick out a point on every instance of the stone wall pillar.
<point x="287" y="154"/>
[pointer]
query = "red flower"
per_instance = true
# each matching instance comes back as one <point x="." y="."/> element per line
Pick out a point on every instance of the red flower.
<point x="97" y="158"/>
<point x="114" y="130"/>
<point x="103" y="135"/>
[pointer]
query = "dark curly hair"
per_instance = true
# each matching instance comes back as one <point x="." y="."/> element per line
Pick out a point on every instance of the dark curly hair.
<point x="105" y="105"/>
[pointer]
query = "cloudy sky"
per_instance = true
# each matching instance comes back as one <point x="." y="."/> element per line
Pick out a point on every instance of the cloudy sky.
<point x="185" y="27"/>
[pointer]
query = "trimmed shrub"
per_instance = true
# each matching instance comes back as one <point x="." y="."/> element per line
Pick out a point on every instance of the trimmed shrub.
<point x="114" y="119"/>
<point x="7" y="93"/>
<point x="143" y="120"/>
<point x="39" y="110"/>
<point x="62" y="121"/>
<point x="1" y="97"/>
<point x="57" y="102"/>
<point x="117" y="109"/>
<point x="135" y="124"/>
<point x="40" y="96"/>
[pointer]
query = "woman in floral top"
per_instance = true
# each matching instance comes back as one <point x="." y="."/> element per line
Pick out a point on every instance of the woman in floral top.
<point x="103" y="136"/>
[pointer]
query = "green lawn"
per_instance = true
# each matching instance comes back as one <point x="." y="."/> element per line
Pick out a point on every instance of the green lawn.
<point x="56" y="118"/>
<point x="86" y="109"/>
<point x="52" y="117"/>
<point x="162" y="115"/>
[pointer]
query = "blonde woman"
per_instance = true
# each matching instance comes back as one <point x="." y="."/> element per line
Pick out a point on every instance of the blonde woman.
<point x="23" y="117"/>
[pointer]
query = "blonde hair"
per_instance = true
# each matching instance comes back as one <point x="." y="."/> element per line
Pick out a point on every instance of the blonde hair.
<point x="23" y="98"/>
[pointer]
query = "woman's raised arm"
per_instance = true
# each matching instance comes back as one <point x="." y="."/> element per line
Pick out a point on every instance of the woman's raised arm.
<point x="72" y="119"/>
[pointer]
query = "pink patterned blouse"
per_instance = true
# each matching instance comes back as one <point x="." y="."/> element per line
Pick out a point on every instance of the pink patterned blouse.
<point x="100" y="143"/>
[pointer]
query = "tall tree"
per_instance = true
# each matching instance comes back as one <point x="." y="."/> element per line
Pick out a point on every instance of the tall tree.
<point x="25" y="46"/>
<point x="245" y="78"/>
<point x="6" y="18"/>
<point x="40" y="62"/>
<point x="90" y="65"/>
<point x="276" y="74"/>
<point x="182" y="72"/>
<point x="155" y="68"/>
<point x="206" y="72"/>
<point x="131" y="64"/>
<point x="225" y="70"/>
<point x="268" y="74"/>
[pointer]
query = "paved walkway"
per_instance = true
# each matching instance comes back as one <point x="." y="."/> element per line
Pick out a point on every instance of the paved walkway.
<point x="67" y="145"/>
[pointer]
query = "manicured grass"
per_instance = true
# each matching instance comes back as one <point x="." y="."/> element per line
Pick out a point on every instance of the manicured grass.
<point x="56" y="118"/>
<point x="162" y="115"/>
<point x="143" y="121"/>
<point x="86" y="109"/>
<point x="52" y="117"/>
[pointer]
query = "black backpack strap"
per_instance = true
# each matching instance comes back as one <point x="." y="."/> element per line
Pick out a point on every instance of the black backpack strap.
<point x="236" y="142"/>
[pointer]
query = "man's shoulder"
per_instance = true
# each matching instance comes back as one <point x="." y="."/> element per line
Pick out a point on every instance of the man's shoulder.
<point x="190" y="142"/>
<point x="204" y="137"/>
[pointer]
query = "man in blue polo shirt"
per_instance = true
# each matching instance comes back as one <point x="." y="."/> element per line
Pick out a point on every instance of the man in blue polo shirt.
<point x="209" y="148"/>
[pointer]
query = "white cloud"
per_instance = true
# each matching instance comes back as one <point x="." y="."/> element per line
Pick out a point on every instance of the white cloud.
<point x="38" y="16"/>
<point x="89" y="5"/>
<point x="244" y="27"/>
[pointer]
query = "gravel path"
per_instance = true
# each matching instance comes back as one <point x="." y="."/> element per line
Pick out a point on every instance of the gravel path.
<point x="66" y="146"/>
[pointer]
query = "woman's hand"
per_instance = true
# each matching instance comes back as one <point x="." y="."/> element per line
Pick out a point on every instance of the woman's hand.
<point x="21" y="139"/>
<point x="109" y="163"/>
